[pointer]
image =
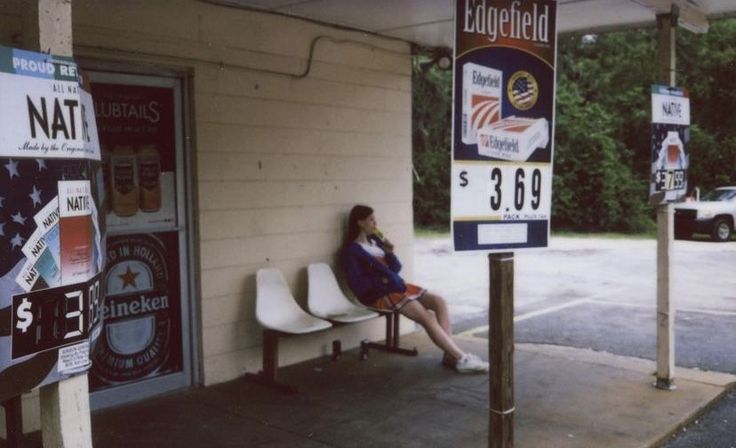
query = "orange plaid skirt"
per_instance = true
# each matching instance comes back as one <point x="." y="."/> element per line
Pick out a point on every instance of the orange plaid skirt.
<point x="396" y="300"/>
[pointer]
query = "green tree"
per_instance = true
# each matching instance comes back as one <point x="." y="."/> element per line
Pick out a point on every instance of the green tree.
<point x="432" y="105"/>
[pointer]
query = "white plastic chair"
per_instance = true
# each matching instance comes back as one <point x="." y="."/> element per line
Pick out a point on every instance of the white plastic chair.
<point x="280" y="315"/>
<point x="327" y="301"/>
<point x="276" y="308"/>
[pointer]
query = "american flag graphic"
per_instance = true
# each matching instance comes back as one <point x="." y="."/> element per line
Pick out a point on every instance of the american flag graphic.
<point x="26" y="186"/>
<point x="512" y="125"/>
<point x="523" y="91"/>
<point x="485" y="110"/>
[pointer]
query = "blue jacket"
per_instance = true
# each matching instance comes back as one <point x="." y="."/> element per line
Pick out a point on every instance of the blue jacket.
<point x="367" y="277"/>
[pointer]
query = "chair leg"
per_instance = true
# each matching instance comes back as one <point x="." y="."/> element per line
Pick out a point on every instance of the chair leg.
<point x="391" y="344"/>
<point x="14" y="422"/>
<point x="267" y="376"/>
<point x="336" y="350"/>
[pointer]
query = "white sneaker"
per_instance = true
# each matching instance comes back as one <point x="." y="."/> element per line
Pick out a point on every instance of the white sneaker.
<point x="470" y="363"/>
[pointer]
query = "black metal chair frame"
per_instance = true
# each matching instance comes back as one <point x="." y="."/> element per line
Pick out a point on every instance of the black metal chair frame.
<point x="391" y="344"/>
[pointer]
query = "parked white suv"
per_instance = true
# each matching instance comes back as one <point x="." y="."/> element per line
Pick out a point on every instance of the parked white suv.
<point x="714" y="214"/>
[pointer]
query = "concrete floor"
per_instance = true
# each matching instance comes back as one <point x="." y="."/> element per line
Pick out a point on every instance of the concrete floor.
<point x="565" y="397"/>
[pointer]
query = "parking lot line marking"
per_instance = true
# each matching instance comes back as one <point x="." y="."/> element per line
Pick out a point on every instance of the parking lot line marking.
<point x="529" y="315"/>
<point x="680" y="310"/>
<point x="522" y="317"/>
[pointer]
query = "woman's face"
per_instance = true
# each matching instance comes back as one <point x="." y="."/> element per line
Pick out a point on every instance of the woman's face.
<point x="368" y="225"/>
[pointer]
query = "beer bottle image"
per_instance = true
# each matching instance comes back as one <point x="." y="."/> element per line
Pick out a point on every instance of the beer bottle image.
<point x="123" y="169"/>
<point x="149" y="175"/>
<point x="76" y="231"/>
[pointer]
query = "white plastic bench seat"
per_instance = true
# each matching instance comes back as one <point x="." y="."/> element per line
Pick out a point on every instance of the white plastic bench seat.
<point x="279" y="314"/>
<point x="327" y="301"/>
<point x="276" y="308"/>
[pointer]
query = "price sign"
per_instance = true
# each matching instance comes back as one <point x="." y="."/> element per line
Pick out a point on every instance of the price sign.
<point x="670" y="180"/>
<point x="670" y="134"/>
<point x="54" y="318"/>
<point x="503" y="123"/>
<point x="501" y="192"/>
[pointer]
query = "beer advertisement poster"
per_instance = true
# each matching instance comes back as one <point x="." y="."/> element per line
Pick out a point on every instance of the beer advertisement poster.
<point x="137" y="132"/>
<point x="670" y="134"/>
<point x="51" y="233"/>
<point x="503" y="123"/>
<point x="141" y="338"/>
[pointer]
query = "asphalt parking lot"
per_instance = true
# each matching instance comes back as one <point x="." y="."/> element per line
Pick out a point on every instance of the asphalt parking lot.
<point x="600" y="294"/>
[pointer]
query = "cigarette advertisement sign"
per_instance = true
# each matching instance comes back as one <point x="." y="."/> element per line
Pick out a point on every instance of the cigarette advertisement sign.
<point x="503" y="122"/>
<point x="51" y="234"/>
<point x="670" y="133"/>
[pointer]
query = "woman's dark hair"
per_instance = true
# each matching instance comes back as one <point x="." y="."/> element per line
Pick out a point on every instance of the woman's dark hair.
<point x="358" y="213"/>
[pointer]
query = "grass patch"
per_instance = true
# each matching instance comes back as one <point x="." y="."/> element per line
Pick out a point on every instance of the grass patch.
<point x="428" y="232"/>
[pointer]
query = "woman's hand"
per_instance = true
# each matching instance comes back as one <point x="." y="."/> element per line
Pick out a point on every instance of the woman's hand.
<point x="388" y="246"/>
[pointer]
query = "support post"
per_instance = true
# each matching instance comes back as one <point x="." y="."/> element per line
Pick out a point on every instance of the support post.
<point x="14" y="422"/>
<point x="665" y="314"/>
<point x="65" y="413"/>
<point x="501" y="350"/>
<point x="269" y="370"/>
<point x="65" y="420"/>
<point x="666" y="60"/>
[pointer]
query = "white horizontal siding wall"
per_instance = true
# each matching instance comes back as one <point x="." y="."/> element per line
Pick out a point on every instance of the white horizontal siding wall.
<point x="279" y="161"/>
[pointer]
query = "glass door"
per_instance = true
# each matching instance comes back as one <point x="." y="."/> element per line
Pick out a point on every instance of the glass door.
<point x="144" y="348"/>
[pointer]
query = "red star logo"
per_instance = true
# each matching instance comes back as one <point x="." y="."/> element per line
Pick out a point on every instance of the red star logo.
<point x="129" y="278"/>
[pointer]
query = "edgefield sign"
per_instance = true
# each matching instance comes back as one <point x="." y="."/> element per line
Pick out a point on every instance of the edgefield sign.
<point x="503" y="123"/>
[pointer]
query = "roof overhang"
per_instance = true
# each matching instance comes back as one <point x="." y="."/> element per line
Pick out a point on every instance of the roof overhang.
<point x="430" y="22"/>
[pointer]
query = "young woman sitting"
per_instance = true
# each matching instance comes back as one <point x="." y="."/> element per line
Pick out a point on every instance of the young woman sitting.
<point x="372" y="271"/>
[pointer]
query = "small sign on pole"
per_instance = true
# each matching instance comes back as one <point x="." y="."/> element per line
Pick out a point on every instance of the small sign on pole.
<point x="503" y="124"/>
<point x="670" y="134"/>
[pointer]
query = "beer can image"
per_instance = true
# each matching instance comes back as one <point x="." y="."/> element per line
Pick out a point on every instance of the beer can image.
<point x="513" y="138"/>
<point x="123" y="173"/>
<point x="481" y="100"/>
<point x="149" y="172"/>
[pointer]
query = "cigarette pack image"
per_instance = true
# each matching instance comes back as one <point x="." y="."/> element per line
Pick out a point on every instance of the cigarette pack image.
<point x="481" y="99"/>
<point x="513" y="138"/>
<point x="76" y="231"/>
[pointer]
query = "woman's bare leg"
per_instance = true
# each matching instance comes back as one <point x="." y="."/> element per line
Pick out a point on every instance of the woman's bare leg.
<point x="439" y="306"/>
<point x="418" y="313"/>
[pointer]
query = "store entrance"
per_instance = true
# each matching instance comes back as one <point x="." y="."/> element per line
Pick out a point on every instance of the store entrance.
<point x="144" y="348"/>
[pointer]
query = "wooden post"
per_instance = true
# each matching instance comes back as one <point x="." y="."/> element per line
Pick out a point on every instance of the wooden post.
<point x="14" y="422"/>
<point x="501" y="350"/>
<point x="65" y="414"/>
<point x="666" y="27"/>
<point x="665" y="314"/>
